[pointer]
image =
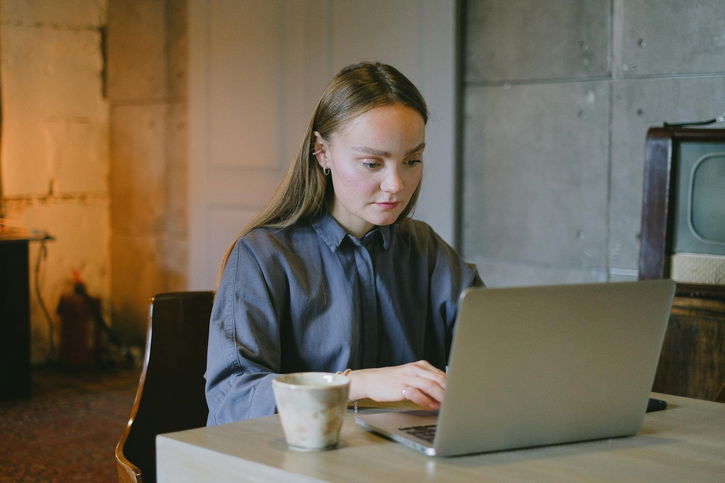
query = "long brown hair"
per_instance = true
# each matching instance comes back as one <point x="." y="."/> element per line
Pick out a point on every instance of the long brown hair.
<point x="304" y="192"/>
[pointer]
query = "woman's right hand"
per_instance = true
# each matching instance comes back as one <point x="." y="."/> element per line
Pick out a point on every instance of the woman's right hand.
<point x="418" y="382"/>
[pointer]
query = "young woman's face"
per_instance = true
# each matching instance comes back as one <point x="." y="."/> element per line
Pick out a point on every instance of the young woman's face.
<point x="376" y="163"/>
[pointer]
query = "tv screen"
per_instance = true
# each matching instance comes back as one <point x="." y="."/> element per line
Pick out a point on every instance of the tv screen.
<point x="700" y="198"/>
<point x="698" y="239"/>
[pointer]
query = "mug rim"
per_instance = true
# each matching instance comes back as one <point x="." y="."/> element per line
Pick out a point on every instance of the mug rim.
<point x="339" y="380"/>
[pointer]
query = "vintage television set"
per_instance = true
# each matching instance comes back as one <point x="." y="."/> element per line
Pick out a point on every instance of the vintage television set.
<point x="683" y="214"/>
<point x="683" y="238"/>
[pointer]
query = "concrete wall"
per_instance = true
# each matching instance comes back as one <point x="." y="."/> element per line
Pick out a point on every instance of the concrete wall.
<point x="147" y="60"/>
<point x="55" y="144"/>
<point x="558" y="96"/>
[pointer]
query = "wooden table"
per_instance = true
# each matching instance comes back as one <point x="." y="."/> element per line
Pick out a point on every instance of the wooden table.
<point x="686" y="442"/>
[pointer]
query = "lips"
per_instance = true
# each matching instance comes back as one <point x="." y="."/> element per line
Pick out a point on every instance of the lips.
<point x="388" y="205"/>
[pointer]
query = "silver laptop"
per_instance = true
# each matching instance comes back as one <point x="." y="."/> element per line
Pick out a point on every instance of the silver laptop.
<point x="533" y="366"/>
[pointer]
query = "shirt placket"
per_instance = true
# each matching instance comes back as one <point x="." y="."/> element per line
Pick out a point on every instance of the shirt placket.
<point x="369" y="298"/>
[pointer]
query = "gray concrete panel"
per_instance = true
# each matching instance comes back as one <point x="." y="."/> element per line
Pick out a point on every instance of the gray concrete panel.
<point x="671" y="36"/>
<point x="638" y="105"/>
<point x="497" y="273"/>
<point x="531" y="39"/>
<point x="535" y="175"/>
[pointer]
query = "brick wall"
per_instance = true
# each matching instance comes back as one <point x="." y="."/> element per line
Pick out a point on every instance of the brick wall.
<point x="94" y="149"/>
<point x="55" y="143"/>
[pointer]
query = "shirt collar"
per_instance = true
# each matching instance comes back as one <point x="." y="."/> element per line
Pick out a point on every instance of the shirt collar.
<point x="333" y="234"/>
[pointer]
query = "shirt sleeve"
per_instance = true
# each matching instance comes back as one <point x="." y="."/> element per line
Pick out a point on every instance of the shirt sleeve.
<point x="244" y="341"/>
<point x="450" y="276"/>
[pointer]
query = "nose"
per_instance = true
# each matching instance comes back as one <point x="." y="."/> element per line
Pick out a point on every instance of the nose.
<point x="392" y="181"/>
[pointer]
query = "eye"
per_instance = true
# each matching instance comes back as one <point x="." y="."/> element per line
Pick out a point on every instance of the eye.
<point x="371" y="163"/>
<point x="413" y="162"/>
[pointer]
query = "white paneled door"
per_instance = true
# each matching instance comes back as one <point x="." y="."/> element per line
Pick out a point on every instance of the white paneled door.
<point x="257" y="68"/>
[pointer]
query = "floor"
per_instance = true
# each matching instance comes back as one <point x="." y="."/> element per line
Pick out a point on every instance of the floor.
<point x="68" y="428"/>
<point x="49" y="380"/>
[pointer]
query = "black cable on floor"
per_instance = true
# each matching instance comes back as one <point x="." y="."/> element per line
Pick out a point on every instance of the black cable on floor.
<point x="42" y="255"/>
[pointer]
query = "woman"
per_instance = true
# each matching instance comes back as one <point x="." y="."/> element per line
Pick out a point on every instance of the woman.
<point x="333" y="275"/>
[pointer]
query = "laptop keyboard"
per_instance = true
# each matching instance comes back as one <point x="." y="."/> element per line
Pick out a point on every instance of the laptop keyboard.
<point x="425" y="432"/>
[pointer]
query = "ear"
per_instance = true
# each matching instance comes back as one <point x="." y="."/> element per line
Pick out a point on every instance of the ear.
<point x="321" y="150"/>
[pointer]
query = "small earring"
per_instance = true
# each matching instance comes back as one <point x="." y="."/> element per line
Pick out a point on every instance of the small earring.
<point x="326" y="171"/>
<point x="315" y="153"/>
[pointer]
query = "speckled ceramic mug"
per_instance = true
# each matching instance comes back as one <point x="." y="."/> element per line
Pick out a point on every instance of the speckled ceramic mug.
<point x="311" y="406"/>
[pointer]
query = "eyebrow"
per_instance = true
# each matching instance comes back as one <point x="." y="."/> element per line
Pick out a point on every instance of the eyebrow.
<point x="377" y="152"/>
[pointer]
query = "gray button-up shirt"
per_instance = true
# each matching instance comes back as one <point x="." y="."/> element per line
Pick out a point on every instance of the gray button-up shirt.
<point x="313" y="298"/>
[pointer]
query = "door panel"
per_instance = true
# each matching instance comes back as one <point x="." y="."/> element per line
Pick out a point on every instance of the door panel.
<point x="256" y="70"/>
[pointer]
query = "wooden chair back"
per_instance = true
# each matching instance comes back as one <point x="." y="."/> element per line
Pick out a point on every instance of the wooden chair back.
<point x="170" y="395"/>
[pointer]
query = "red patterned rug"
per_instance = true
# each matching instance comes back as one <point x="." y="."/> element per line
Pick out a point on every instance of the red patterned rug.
<point x="68" y="429"/>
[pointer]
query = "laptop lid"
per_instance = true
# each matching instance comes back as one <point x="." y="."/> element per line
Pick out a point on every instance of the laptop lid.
<point x="533" y="366"/>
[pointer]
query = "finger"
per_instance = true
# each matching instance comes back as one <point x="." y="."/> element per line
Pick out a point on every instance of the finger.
<point x="439" y="377"/>
<point x="423" y="364"/>
<point x="428" y="371"/>
<point x="420" y="398"/>
<point x="429" y="387"/>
